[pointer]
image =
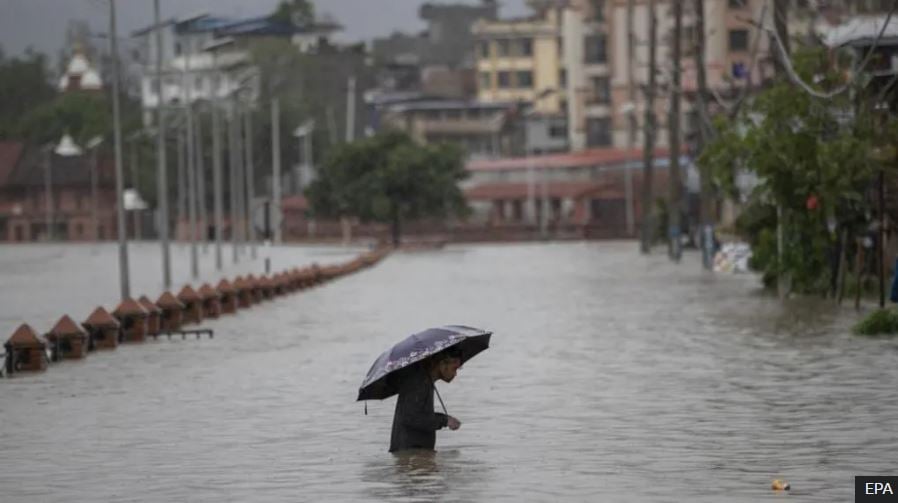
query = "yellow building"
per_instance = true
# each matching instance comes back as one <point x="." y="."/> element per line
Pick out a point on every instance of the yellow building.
<point x="520" y="60"/>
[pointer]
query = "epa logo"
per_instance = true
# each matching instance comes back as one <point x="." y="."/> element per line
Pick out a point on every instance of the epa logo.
<point x="875" y="489"/>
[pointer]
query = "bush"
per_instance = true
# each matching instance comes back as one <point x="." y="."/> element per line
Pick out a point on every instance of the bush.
<point x="881" y="321"/>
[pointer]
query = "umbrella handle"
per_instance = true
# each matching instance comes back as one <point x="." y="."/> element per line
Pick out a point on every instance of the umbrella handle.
<point x="440" y="398"/>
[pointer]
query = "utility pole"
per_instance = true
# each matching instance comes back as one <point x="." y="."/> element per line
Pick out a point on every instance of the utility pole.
<point x="191" y="165"/>
<point x="94" y="210"/>
<point x="350" y="110"/>
<point x="633" y="122"/>
<point x="48" y="191"/>
<point x="250" y="182"/>
<point x="674" y="128"/>
<point x="233" y="174"/>
<point x="648" y="153"/>
<point x="134" y="185"/>
<point x="217" y="189"/>
<point x="781" y="25"/>
<point x="201" y="182"/>
<point x="276" y="164"/>
<point x="239" y="180"/>
<point x="119" y="175"/>
<point x="162" y="188"/>
<point x="705" y="133"/>
<point x="182" y="180"/>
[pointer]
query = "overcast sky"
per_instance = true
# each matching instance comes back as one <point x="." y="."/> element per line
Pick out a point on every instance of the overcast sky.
<point x="42" y="23"/>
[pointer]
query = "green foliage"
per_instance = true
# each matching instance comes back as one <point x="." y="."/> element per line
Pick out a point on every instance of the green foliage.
<point x="292" y="11"/>
<point x="82" y="115"/>
<point x="879" y="322"/>
<point x="24" y="85"/>
<point x="389" y="178"/>
<point x="802" y="148"/>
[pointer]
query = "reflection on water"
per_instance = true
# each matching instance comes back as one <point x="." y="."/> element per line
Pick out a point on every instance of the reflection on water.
<point x="611" y="377"/>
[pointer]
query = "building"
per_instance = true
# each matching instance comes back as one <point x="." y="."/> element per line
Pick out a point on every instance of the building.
<point x="520" y="60"/>
<point x="482" y="130"/>
<point x="439" y="61"/>
<point x="81" y="188"/>
<point x="80" y="75"/>
<point x="589" y="188"/>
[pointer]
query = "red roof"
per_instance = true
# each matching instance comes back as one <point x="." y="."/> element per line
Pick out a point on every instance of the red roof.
<point x="169" y="301"/>
<point x="66" y="326"/>
<point x="225" y="287"/>
<point x="511" y="190"/>
<point x="579" y="159"/>
<point x="10" y="153"/>
<point x="25" y="336"/>
<point x="130" y="307"/>
<point x="147" y="304"/>
<point x="101" y="318"/>
<point x="188" y="294"/>
<point x="207" y="292"/>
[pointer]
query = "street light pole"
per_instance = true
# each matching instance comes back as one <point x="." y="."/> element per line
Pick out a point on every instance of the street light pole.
<point x="250" y="181"/>
<point x="94" y="210"/>
<point x="276" y="164"/>
<point x="201" y="182"/>
<point x="119" y="179"/>
<point x="160" y="157"/>
<point x="48" y="191"/>
<point x="191" y="166"/>
<point x="218" y="198"/>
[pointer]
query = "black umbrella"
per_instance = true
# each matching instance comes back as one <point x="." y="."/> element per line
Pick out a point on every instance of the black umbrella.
<point x="468" y="341"/>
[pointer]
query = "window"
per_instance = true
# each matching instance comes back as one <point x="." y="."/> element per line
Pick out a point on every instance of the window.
<point x="598" y="132"/>
<point x="486" y="82"/>
<point x="595" y="49"/>
<point x="198" y="83"/>
<point x="557" y="130"/>
<point x="483" y="48"/>
<point x="504" y="47"/>
<point x="600" y="91"/>
<point x="562" y="78"/>
<point x="738" y="40"/>
<point x="504" y="80"/>
<point x="79" y="230"/>
<point x="524" y="79"/>
<point x="737" y="4"/>
<point x="525" y="47"/>
<point x="178" y="48"/>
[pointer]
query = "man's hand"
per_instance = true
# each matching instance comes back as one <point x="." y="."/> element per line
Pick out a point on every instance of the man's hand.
<point x="453" y="423"/>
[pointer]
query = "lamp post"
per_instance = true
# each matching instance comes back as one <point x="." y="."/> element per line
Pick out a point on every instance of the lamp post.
<point x="160" y="157"/>
<point x="119" y="178"/>
<point x="93" y="146"/>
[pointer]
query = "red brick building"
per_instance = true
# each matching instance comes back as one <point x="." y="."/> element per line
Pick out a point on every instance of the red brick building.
<point x="23" y="195"/>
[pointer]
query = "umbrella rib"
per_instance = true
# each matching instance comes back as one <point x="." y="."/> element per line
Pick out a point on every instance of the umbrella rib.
<point x="440" y="398"/>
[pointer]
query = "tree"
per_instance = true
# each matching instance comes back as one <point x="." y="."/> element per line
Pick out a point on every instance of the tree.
<point x="389" y="178"/>
<point x="82" y="115"/>
<point x="299" y="12"/>
<point x="24" y="85"/>
<point x="814" y="170"/>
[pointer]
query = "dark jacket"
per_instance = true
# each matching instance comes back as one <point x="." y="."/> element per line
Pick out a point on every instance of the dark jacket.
<point x="415" y="423"/>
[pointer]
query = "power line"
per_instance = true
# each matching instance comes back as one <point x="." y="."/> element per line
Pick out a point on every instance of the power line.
<point x="796" y="79"/>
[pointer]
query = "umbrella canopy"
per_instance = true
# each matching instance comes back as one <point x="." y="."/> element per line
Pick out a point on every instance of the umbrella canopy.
<point x="468" y="341"/>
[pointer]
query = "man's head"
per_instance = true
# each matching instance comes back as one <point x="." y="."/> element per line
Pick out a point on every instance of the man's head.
<point x="446" y="364"/>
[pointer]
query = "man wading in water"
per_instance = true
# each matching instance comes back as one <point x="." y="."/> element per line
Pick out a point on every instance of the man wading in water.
<point x="415" y="423"/>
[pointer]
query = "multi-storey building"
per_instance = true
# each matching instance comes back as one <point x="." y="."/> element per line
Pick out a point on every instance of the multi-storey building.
<point x="520" y="61"/>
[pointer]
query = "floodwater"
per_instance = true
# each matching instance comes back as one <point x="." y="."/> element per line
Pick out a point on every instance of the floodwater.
<point x="611" y="377"/>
